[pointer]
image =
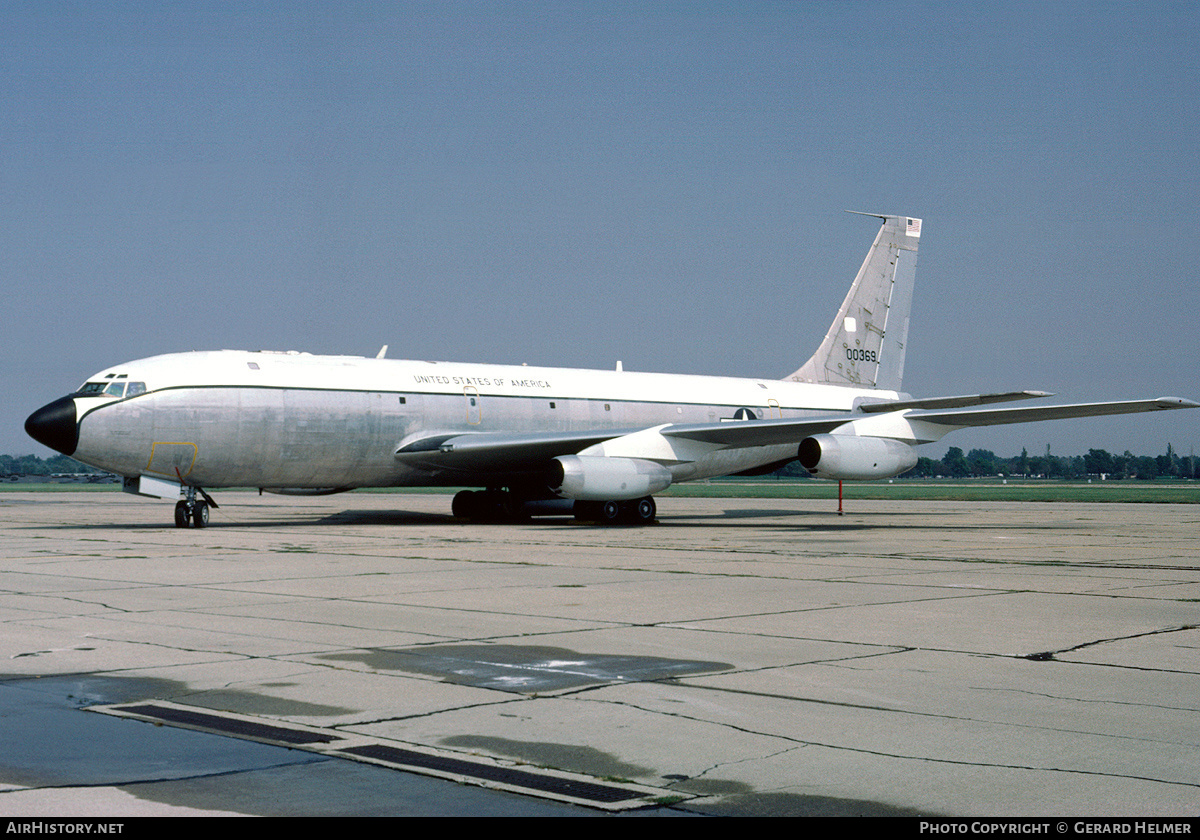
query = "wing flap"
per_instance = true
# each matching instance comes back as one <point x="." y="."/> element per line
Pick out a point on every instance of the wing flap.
<point x="950" y="402"/>
<point x="757" y="432"/>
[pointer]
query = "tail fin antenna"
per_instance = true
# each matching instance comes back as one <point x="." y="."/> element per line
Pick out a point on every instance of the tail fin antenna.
<point x="865" y="344"/>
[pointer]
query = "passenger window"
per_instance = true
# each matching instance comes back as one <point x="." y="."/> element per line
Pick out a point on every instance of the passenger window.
<point x="135" y="388"/>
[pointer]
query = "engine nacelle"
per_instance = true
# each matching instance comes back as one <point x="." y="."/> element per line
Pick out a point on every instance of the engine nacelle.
<point x="599" y="479"/>
<point x="855" y="458"/>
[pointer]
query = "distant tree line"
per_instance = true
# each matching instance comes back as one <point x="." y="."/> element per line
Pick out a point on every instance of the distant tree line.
<point x="982" y="463"/>
<point x="1097" y="462"/>
<point x="33" y="465"/>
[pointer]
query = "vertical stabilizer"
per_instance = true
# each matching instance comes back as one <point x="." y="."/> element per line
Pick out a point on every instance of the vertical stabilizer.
<point x="865" y="344"/>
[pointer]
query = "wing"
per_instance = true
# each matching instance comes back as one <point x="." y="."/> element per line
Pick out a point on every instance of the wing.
<point x="857" y="435"/>
<point x="1032" y="413"/>
<point x="881" y="416"/>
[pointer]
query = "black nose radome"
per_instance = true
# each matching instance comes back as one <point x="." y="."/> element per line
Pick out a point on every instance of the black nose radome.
<point x="54" y="425"/>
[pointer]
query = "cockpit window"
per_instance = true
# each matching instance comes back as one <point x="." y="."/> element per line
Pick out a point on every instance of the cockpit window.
<point x="112" y="389"/>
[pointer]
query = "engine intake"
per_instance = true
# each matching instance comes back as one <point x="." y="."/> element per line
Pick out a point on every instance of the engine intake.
<point x="855" y="458"/>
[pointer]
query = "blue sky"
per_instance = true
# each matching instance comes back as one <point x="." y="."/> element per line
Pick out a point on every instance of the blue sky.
<point x="576" y="183"/>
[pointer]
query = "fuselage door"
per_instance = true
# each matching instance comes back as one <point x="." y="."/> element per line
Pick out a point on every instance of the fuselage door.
<point x="471" y="394"/>
<point x="173" y="459"/>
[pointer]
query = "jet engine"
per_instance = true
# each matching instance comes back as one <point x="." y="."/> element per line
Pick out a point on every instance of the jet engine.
<point x="855" y="458"/>
<point x="596" y="478"/>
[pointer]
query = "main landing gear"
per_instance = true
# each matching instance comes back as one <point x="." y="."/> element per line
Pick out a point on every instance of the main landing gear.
<point x="192" y="511"/>
<point x="488" y="506"/>
<point x="631" y="512"/>
<point x="496" y="505"/>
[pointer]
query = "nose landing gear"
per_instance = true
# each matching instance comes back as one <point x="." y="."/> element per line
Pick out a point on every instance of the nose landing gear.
<point x="192" y="511"/>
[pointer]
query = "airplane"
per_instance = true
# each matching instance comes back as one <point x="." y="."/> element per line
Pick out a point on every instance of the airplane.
<point x="536" y="440"/>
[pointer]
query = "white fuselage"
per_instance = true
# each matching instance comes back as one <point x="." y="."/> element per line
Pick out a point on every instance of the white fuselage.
<point x="264" y="419"/>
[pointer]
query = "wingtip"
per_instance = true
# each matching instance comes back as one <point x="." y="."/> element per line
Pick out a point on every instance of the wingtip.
<point x="1176" y="402"/>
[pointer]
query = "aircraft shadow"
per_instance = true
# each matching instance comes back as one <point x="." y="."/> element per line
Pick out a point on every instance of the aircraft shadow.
<point x="765" y="519"/>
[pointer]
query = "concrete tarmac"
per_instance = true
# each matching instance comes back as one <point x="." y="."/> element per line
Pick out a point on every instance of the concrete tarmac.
<point x="739" y="657"/>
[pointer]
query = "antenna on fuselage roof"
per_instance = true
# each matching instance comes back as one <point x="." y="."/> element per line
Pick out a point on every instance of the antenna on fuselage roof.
<point x="382" y="352"/>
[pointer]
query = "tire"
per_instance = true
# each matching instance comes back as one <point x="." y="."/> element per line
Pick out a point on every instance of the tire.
<point x="608" y="513"/>
<point x="642" y="511"/>
<point x="181" y="514"/>
<point x="464" y="504"/>
<point x="200" y="514"/>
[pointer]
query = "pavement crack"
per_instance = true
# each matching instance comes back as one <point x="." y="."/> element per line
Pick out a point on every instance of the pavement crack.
<point x="1048" y="655"/>
<point x="350" y="726"/>
<point x="721" y="765"/>
<point x="803" y="742"/>
<point x="313" y="759"/>
<point x="1098" y="701"/>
